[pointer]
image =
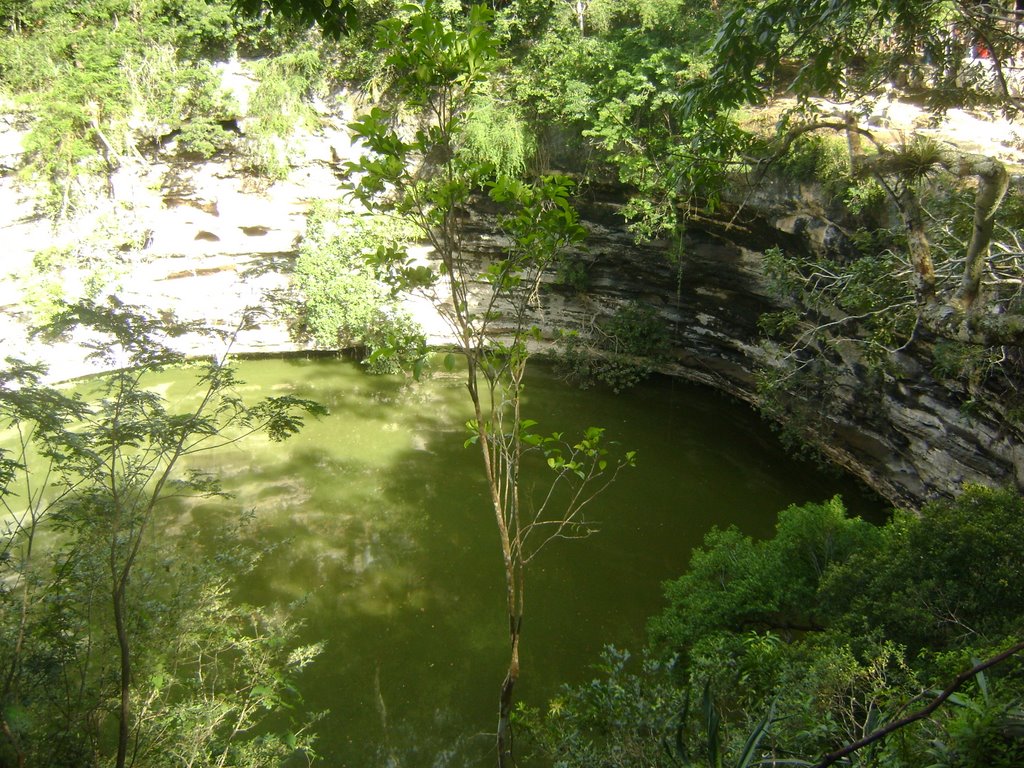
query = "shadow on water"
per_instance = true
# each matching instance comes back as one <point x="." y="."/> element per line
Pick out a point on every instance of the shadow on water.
<point x="391" y="554"/>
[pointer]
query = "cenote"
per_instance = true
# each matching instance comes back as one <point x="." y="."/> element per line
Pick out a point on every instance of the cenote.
<point x="387" y="549"/>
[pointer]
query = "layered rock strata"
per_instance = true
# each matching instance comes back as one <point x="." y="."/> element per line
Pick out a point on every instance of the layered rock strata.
<point x="206" y="242"/>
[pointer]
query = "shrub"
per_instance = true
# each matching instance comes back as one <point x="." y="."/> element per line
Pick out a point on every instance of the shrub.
<point x="345" y="303"/>
<point x="620" y="353"/>
<point x="950" y="576"/>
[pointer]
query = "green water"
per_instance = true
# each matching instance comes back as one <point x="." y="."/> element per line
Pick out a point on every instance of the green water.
<point x="392" y="554"/>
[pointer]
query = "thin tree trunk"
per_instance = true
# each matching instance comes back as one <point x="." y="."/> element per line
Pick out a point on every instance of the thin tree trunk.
<point x="12" y="672"/>
<point x="125" y="712"/>
<point x="504" y="740"/>
<point x="513" y="586"/>
<point x="918" y="245"/>
<point x="19" y="753"/>
<point x="854" y="144"/>
<point x="19" y="642"/>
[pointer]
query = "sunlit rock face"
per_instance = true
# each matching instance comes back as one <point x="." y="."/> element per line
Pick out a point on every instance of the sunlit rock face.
<point x="207" y="241"/>
<point x="204" y="240"/>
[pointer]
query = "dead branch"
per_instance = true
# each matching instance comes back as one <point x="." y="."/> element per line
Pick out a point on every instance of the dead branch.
<point x="895" y="725"/>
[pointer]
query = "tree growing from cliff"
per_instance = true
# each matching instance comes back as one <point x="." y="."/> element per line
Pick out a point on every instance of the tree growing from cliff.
<point x="928" y="54"/>
<point x="427" y="178"/>
<point x="937" y="268"/>
<point x="669" y="120"/>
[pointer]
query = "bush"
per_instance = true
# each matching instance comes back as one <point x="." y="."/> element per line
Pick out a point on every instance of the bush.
<point x="345" y="303"/>
<point x="950" y="576"/>
<point x="818" y="157"/>
<point x="805" y="642"/>
<point x="620" y="719"/>
<point x="279" y="107"/>
<point x="495" y="135"/>
<point x="734" y="584"/>
<point x="619" y="354"/>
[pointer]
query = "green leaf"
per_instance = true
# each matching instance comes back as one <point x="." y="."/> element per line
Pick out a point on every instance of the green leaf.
<point x="982" y="682"/>
<point x="712" y="725"/>
<point x="263" y="691"/>
<point x="750" y="748"/>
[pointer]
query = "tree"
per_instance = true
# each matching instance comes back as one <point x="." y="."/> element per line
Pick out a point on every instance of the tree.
<point x="334" y="17"/>
<point x="429" y="180"/>
<point x="887" y="671"/>
<point x="851" y="49"/>
<point x="107" y="470"/>
<point x="668" y="122"/>
<point x="736" y="584"/>
<point x="36" y="415"/>
<point x="853" y="52"/>
<point x="620" y="83"/>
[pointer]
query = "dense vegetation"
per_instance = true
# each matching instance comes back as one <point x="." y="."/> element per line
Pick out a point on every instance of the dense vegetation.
<point x="816" y="638"/>
<point x="781" y="650"/>
<point x="665" y="96"/>
<point x="117" y="645"/>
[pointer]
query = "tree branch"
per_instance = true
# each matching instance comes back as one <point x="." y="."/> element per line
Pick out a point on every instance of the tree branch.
<point x="993" y="181"/>
<point x="922" y="713"/>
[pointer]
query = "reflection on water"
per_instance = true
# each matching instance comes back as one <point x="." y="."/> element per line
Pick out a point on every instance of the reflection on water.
<point x="388" y="552"/>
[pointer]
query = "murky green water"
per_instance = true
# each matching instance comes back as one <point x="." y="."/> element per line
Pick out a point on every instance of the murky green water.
<point x="392" y="554"/>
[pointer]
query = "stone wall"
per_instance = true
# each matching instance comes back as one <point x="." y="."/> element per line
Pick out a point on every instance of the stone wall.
<point x="205" y="241"/>
<point x="905" y="433"/>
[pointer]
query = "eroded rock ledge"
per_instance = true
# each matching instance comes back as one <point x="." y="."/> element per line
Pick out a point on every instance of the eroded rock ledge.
<point x="906" y="434"/>
<point x="206" y="242"/>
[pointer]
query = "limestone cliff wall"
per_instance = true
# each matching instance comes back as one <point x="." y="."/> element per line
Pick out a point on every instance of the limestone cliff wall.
<point x="904" y="433"/>
<point x="205" y="241"/>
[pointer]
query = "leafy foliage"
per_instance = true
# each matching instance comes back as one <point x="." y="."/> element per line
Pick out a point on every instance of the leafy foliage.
<point x="252" y="655"/>
<point x="279" y="107"/>
<point x="755" y="43"/>
<point x="619" y="353"/>
<point x="734" y="583"/>
<point x="189" y="99"/>
<point x="618" y="77"/>
<point x="94" y="591"/>
<point x="819" y="157"/>
<point x="805" y="642"/>
<point x="620" y="719"/>
<point x="346" y="302"/>
<point x="494" y="135"/>
<point x="334" y="18"/>
<point x="944" y="579"/>
<point x="101" y="77"/>
<point x="443" y="65"/>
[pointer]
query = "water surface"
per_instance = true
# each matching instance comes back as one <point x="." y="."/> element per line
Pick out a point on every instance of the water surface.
<point x="392" y="557"/>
